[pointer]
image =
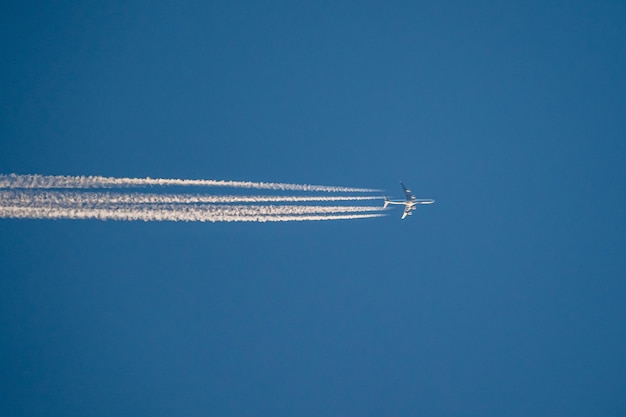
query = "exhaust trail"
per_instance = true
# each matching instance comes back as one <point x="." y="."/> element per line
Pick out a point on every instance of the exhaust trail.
<point x="63" y="181"/>
<point x="245" y="210"/>
<point x="34" y="196"/>
<point x="81" y="197"/>
<point x="148" y="214"/>
<point x="264" y="210"/>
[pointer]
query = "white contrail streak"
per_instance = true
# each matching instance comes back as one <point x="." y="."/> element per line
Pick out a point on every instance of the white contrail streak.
<point x="64" y="197"/>
<point x="39" y="197"/>
<point x="148" y="214"/>
<point x="252" y="210"/>
<point x="60" y="181"/>
<point x="249" y="210"/>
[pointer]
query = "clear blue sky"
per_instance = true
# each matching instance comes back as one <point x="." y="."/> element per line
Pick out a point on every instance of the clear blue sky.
<point x="506" y="297"/>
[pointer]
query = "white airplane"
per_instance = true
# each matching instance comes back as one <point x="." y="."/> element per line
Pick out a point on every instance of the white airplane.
<point x="410" y="202"/>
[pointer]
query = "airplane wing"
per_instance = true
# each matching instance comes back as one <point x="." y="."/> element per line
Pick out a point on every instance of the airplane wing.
<point x="407" y="211"/>
<point x="407" y="192"/>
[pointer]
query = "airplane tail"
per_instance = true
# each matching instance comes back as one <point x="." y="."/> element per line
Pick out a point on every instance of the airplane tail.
<point x="386" y="203"/>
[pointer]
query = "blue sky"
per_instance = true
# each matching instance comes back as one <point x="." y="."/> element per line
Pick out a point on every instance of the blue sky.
<point x="505" y="297"/>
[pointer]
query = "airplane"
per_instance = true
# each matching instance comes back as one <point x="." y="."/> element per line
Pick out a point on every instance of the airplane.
<point x="410" y="202"/>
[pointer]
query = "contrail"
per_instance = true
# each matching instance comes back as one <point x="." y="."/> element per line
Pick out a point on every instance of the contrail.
<point x="68" y="197"/>
<point x="264" y="210"/>
<point x="61" y="181"/>
<point x="149" y="214"/>
<point x="246" y="210"/>
<point x="32" y="196"/>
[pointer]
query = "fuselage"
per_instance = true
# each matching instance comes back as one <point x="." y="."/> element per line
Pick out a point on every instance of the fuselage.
<point x="410" y="203"/>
